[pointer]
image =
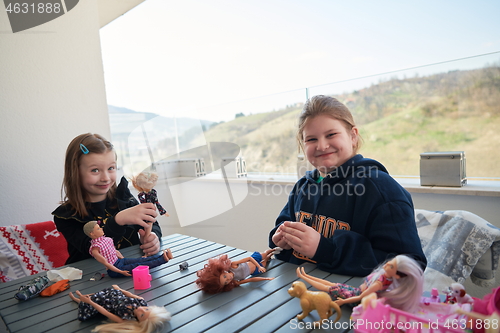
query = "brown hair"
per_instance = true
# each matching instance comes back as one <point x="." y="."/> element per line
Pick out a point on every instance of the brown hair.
<point x="209" y="277"/>
<point x="330" y="106"/>
<point x="74" y="194"/>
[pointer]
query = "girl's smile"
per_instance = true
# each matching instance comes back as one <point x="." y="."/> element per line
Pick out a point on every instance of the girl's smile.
<point x="327" y="142"/>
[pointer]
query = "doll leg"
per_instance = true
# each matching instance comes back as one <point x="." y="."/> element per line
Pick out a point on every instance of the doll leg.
<point x="266" y="257"/>
<point x="73" y="297"/>
<point x="317" y="283"/>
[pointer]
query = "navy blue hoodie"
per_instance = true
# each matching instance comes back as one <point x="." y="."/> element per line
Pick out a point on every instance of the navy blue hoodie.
<point x="363" y="215"/>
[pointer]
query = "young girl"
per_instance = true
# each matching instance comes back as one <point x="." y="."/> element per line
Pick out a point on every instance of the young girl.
<point x="129" y="312"/>
<point x="91" y="194"/>
<point x="222" y="274"/>
<point x="400" y="280"/>
<point x="347" y="215"/>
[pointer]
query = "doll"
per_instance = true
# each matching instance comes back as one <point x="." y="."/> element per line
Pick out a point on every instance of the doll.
<point x="144" y="183"/>
<point x="129" y="312"/>
<point x="222" y="274"/>
<point x="103" y="250"/>
<point x="399" y="280"/>
<point x="456" y="294"/>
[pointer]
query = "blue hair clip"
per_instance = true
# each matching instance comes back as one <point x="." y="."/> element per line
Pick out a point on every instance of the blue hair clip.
<point x="84" y="149"/>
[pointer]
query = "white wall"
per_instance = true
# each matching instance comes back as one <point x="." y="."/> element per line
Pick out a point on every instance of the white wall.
<point x="51" y="90"/>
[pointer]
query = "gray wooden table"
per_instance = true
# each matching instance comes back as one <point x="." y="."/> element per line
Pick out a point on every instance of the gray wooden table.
<point x="255" y="307"/>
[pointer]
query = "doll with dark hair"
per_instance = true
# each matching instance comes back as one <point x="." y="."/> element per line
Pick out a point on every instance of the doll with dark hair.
<point x="221" y="274"/>
<point x="399" y="280"/>
<point x="128" y="312"/>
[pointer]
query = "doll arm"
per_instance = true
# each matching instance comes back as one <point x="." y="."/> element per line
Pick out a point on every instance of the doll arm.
<point x="119" y="254"/>
<point x="376" y="286"/>
<point x="100" y="258"/>
<point x="252" y="263"/>
<point x="100" y="309"/>
<point x="254" y="279"/>
<point x="125" y="292"/>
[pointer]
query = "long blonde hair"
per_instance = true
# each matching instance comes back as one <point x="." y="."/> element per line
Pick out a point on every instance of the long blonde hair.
<point x="158" y="316"/>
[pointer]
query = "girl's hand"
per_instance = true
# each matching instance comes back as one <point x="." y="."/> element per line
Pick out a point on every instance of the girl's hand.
<point x="261" y="269"/>
<point x="150" y="242"/>
<point x="278" y="239"/>
<point x="301" y="238"/>
<point x="137" y="215"/>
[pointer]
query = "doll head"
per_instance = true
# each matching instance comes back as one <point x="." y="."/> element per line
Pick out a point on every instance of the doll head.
<point x="82" y="145"/>
<point x="157" y="317"/>
<point x="209" y="278"/>
<point x="407" y="286"/>
<point x="145" y="181"/>
<point x="93" y="229"/>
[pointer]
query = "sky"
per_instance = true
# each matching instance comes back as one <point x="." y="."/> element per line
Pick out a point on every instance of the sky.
<point x="212" y="59"/>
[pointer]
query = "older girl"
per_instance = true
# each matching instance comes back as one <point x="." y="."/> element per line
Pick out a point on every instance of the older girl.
<point x="348" y="214"/>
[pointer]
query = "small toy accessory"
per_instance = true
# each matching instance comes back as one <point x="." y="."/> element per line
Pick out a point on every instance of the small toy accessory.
<point x="183" y="266"/>
<point x="33" y="288"/>
<point x="314" y="300"/>
<point x="84" y="149"/>
<point x="142" y="278"/>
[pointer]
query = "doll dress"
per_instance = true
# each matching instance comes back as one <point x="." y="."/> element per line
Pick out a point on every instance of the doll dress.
<point x="113" y="301"/>
<point x="341" y="290"/>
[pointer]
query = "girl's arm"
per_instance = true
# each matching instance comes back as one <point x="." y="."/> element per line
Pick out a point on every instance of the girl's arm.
<point x="376" y="286"/>
<point x="86" y="299"/>
<point x="99" y="257"/>
<point x="255" y="279"/>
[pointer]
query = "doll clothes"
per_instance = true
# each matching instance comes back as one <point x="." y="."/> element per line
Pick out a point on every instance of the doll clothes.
<point x="153" y="198"/>
<point x="243" y="270"/>
<point x="343" y="291"/>
<point x="112" y="300"/>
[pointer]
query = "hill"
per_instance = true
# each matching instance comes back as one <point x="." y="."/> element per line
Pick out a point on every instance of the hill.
<point x="398" y="119"/>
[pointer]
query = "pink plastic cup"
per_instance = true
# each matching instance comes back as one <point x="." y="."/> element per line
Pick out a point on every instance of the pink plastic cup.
<point x="142" y="278"/>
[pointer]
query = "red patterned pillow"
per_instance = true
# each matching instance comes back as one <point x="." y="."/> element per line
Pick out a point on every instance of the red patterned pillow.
<point x="29" y="249"/>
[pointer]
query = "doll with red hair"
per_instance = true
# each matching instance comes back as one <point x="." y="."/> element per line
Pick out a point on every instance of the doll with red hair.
<point x="221" y="274"/>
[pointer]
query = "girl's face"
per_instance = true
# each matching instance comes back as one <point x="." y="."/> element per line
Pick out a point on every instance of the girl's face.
<point x="142" y="313"/>
<point x="97" y="174"/>
<point x="327" y="143"/>
<point x="225" y="278"/>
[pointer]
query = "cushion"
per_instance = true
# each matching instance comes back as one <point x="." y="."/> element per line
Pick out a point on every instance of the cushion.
<point x="30" y="249"/>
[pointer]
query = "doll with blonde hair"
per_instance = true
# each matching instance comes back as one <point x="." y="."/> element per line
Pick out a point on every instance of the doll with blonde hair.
<point x="399" y="281"/>
<point x="129" y="312"/>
